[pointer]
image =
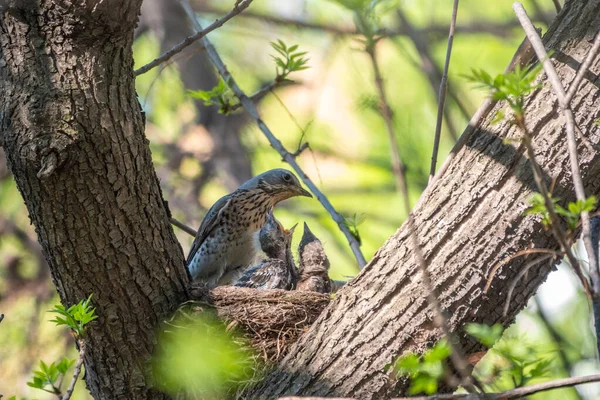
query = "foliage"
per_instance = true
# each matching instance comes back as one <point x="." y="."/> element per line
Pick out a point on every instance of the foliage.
<point x="511" y="87"/>
<point x="50" y="375"/>
<point x="426" y="371"/>
<point x="220" y="95"/>
<point x="198" y="355"/>
<point x="511" y="361"/>
<point x="352" y="224"/>
<point x="572" y="213"/>
<point x="76" y="316"/>
<point x="289" y="60"/>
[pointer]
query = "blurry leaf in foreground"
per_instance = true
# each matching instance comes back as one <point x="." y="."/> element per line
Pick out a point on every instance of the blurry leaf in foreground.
<point x="198" y="356"/>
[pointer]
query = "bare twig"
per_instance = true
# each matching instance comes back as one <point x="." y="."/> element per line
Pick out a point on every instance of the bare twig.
<point x="507" y="395"/>
<point x="520" y="275"/>
<point x="538" y="46"/>
<point x="189" y="230"/>
<point x="442" y="96"/>
<point x="263" y="91"/>
<point x="583" y="69"/>
<point x="521" y="57"/>
<point x="386" y="112"/>
<point x="557" y="5"/>
<point x="474" y="27"/>
<point x="275" y="143"/>
<point x="238" y="8"/>
<point x="512" y="257"/>
<point x="77" y="370"/>
<point x="429" y="67"/>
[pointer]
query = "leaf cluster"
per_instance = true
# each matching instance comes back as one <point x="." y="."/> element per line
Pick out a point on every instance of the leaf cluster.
<point x="426" y="371"/>
<point x="511" y="360"/>
<point x="572" y="213"/>
<point x="76" y="316"/>
<point x="352" y="224"/>
<point x="287" y="60"/>
<point x="220" y="95"/>
<point x="50" y="375"/>
<point x="511" y="87"/>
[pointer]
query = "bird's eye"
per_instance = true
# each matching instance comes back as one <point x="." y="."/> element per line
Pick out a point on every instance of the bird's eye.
<point x="287" y="177"/>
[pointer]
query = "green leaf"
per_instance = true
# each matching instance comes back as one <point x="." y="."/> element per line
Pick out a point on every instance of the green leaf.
<point x="486" y="335"/>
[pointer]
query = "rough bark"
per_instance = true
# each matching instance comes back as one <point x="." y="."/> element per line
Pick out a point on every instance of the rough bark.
<point x="229" y="159"/>
<point x="73" y="133"/>
<point x="467" y="222"/>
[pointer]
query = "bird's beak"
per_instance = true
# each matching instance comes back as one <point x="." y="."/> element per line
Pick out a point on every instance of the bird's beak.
<point x="304" y="192"/>
<point x="291" y="230"/>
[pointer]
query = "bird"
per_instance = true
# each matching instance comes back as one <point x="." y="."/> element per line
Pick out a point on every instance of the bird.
<point x="314" y="264"/>
<point x="278" y="270"/>
<point x="224" y="245"/>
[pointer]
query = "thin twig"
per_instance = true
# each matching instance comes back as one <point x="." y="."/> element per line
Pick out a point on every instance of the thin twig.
<point x="521" y="57"/>
<point x="558" y="233"/>
<point x="559" y="90"/>
<point x="77" y="370"/>
<point x="386" y="112"/>
<point x="187" y="229"/>
<point x="512" y="257"/>
<point x="275" y="143"/>
<point x="238" y="8"/>
<point x="263" y="91"/>
<point x="520" y="275"/>
<point x="442" y="96"/>
<point x="457" y="355"/>
<point x="430" y="69"/>
<point x="557" y="5"/>
<point x="507" y="395"/>
<point x="583" y="69"/>
<point x="474" y="27"/>
<point x="514" y="393"/>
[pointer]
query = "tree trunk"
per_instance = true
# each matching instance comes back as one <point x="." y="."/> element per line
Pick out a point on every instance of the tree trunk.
<point x="73" y="133"/>
<point x="467" y="222"/>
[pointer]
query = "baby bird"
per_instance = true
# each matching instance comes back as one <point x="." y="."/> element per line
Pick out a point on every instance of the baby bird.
<point x="278" y="271"/>
<point x="224" y="245"/>
<point x="314" y="265"/>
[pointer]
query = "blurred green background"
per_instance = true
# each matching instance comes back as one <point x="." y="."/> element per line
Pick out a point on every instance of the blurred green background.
<point x="201" y="155"/>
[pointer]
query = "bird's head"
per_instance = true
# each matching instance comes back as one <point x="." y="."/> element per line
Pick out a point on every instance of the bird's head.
<point x="274" y="239"/>
<point x="280" y="183"/>
<point x="312" y="254"/>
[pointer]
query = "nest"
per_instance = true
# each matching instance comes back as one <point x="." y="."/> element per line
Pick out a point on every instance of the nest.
<point x="269" y="320"/>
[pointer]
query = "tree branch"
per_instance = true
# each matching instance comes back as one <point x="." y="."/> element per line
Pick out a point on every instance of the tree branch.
<point x="507" y="395"/>
<point x="538" y="46"/>
<point x="398" y="167"/>
<point x="183" y="227"/>
<point x="275" y="143"/>
<point x="77" y="370"/>
<point x="442" y="95"/>
<point x="238" y="8"/>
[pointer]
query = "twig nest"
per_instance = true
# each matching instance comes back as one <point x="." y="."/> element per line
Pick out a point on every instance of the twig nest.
<point x="270" y="320"/>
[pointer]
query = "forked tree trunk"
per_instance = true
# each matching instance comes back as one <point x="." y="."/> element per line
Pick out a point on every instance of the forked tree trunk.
<point x="467" y="222"/>
<point x="73" y="133"/>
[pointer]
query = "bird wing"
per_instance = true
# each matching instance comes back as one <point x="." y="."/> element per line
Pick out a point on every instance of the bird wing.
<point x="267" y="275"/>
<point x="211" y="219"/>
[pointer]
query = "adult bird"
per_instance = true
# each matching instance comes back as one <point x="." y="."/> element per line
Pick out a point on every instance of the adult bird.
<point x="314" y="264"/>
<point x="224" y="245"/>
<point x="278" y="270"/>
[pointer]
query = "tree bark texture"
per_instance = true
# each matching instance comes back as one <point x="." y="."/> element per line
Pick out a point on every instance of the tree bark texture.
<point x="73" y="133"/>
<point x="467" y="222"/>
